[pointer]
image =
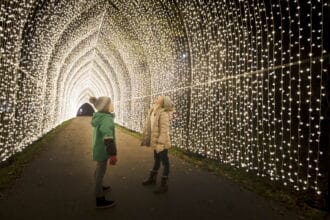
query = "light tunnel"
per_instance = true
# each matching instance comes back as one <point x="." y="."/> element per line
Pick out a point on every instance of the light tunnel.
<point x="248" y="78"/>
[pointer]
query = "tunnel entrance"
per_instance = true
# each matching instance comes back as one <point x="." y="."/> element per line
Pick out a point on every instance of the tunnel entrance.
<point x="85" y="110"/>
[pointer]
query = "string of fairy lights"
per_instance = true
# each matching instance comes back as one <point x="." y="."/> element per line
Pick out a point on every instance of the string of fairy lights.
<point x="246" y="76"/>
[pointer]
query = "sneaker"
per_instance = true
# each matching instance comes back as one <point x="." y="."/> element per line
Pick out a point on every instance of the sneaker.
<point x="102" y="203"/>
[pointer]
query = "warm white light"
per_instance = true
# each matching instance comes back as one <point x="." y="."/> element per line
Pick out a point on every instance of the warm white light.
<point x="246" y="76"/>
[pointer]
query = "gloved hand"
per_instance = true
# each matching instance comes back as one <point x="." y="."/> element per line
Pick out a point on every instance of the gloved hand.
<point x="112" y="160"/>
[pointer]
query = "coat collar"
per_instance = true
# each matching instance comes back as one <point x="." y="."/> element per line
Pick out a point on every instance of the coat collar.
<point x="156" y="110"/>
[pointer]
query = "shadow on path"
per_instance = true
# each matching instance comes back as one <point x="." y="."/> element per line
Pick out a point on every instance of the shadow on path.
<point x="58" y="184"/>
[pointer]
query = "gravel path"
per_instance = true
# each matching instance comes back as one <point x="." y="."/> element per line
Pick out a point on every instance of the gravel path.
<point x="58" y="184"/>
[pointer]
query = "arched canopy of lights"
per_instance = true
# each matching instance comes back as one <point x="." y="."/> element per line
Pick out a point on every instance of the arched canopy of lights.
<point x="247" y="77"/>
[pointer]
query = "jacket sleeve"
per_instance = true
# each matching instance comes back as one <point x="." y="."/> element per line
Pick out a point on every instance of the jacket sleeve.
<point x="146" y="131"/>
<point x="163" y="128"/>
<point x="111" y="148"/>
<point x="107" y="130"/>
<point x="145" y="126"/>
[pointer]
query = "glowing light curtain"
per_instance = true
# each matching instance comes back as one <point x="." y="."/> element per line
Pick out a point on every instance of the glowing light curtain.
<point x="247" y="77"/>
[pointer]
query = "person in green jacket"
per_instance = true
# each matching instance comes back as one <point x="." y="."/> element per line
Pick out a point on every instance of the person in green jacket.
<point x="104" y="146"/>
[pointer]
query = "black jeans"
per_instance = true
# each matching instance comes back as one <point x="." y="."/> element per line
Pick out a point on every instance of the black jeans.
<point x="162" y="157"/>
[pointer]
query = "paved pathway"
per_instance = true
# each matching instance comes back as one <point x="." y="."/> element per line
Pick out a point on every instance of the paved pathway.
<point x="58" y="184"/>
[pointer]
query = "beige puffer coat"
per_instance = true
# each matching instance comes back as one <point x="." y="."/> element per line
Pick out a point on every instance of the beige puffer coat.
<point x="158" y="134"/>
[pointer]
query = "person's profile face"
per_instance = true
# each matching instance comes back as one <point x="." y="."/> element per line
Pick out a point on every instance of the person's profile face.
<point x="159" y="100"/>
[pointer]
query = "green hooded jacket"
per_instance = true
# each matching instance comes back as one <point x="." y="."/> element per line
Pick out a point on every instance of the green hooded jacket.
<point x="104" y="127"/>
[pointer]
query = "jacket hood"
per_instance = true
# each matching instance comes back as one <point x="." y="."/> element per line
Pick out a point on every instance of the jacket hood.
<point x="168" y="104"/>
<point x="99" y="116"/>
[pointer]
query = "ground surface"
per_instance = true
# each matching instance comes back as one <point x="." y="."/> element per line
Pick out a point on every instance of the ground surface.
<point x="58" y="184"/>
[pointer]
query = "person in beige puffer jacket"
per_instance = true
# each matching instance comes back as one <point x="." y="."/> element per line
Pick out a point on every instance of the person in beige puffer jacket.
<point x="156" y="135"/>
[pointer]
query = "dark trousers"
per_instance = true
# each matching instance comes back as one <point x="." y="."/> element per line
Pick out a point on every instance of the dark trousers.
<point x="162" y="157"/>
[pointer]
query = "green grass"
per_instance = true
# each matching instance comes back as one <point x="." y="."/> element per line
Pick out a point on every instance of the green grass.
<point x="246" y="180"/>
<point x="15" y="165"/>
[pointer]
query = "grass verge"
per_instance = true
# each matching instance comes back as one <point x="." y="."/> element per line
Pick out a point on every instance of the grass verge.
<point x="12" y="169"/>
<point x="247" y="180"/>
